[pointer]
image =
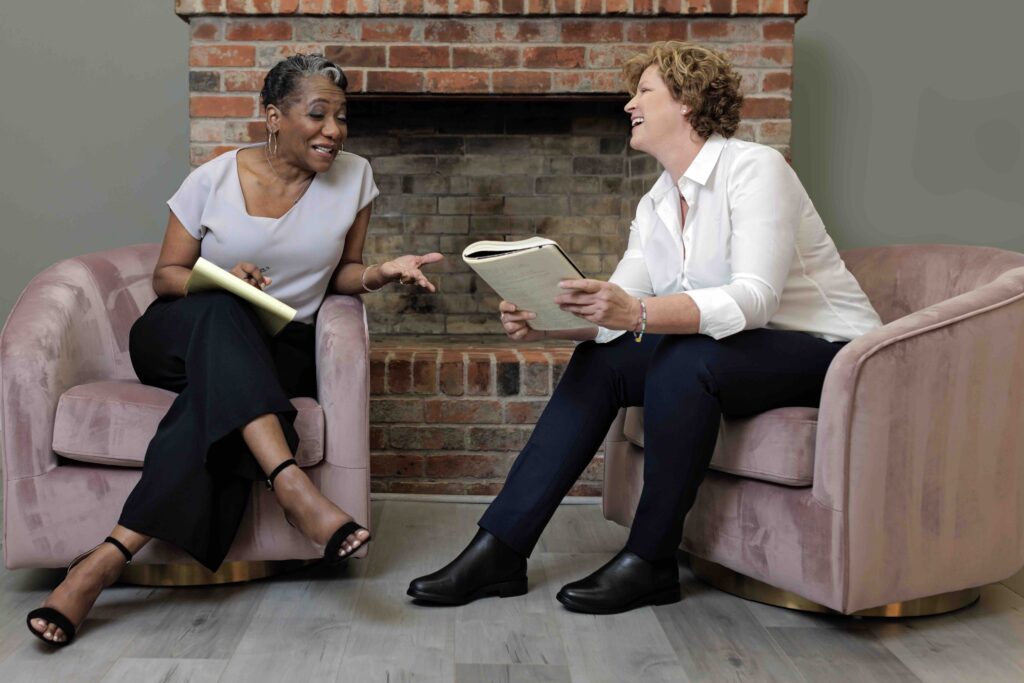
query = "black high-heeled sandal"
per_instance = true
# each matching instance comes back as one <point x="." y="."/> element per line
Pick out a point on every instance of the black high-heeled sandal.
<point x="331" y="556"/>
<point x="53" y="616"/>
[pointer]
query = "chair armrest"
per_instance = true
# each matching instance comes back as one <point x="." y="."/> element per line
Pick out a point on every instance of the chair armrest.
<point x="343" y="380"/>
<point x="920" y="448"/>
<point x="52" y="341"/>
<point x="617" y="430"/>
<point x="947" y="374"/>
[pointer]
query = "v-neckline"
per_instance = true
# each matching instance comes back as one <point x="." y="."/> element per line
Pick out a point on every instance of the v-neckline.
<point x="241" y="192"/>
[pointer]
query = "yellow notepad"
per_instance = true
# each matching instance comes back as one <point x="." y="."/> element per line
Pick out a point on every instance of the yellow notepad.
<point x="272" y="313"/>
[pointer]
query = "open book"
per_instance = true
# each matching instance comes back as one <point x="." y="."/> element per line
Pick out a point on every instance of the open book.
<point x="526" y="273"/>
<point x="272" y="313"/>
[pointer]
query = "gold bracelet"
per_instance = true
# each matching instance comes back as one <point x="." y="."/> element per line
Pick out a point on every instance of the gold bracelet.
<point x="362" y="279"/>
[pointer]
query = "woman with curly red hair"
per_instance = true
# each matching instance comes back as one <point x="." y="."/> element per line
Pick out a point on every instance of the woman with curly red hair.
<point x="730" y="299"/>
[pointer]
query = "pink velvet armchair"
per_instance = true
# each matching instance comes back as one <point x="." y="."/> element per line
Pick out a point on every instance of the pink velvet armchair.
<point x="908" y="481"/>
<point x="76" y="420"/>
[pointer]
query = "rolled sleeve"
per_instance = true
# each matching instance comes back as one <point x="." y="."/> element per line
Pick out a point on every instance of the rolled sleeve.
<point x="604" y="335"/>
<point x="720" y="315"/>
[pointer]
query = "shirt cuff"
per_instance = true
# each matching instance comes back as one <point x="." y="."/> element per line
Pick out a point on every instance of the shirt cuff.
<point x="604" y="335"/>
<point x="720" y="315"/>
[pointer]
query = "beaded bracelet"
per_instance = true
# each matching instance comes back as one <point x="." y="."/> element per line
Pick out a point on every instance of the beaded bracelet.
<point x="637" y="336"/>
<point x="362" y="279"/>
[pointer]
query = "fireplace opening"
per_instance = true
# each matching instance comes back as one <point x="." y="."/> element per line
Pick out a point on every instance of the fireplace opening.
<point x="452" y="171"/>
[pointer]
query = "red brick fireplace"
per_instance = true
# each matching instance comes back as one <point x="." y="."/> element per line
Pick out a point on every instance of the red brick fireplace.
<point x="482" y="119"/>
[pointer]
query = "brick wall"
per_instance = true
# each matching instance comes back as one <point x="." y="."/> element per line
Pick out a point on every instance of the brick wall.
<point x="449" y="416"/>
<point x="534" y="57"/>
<point x="187" y="8"/>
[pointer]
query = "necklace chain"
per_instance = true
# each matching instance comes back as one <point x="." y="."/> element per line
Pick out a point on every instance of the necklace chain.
<point x="270" y="163"/>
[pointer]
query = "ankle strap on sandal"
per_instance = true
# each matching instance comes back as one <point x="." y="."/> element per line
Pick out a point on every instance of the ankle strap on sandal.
<point x="120" y="546"/>
<point x="277" y="470"/>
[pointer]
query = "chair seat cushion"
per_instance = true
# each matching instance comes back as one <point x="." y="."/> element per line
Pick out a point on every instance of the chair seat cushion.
<point x="112" y="423"/>
<point x="775" y="446"/>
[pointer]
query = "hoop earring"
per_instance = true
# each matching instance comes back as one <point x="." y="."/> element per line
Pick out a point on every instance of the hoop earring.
<point x="272" y="143"/>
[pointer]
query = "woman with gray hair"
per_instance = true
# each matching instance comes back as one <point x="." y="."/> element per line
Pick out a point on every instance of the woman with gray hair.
<point x="289" y="217"/>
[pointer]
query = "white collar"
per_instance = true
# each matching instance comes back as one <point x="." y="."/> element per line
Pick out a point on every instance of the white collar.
<point x="699" y="170"/>
<point x="704" y="163"/>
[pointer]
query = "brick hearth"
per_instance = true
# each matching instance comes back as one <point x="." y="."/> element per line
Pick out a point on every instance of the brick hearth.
<point x="448" y="414"/>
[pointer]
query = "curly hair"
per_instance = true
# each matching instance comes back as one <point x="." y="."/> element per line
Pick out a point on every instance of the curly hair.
<point x="282" y="81"/>
<point x="699" y="77"/>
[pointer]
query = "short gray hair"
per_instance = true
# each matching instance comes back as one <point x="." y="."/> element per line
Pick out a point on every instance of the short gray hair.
<point x="283" y="80"/>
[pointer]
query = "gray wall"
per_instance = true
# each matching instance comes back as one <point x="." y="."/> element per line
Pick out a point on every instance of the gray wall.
<point x="907" y="124"/>
<point x="908" y="117"/>
<point x="93" y="129"/>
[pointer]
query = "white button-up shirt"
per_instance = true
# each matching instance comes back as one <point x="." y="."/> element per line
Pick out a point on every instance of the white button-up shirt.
<point x="756" y="251"/>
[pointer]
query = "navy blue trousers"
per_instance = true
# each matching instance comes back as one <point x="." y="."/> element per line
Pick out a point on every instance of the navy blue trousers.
<point x="685" y="384"/>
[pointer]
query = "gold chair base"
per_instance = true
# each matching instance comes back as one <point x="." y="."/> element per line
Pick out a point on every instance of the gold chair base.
<point x="747" y="588"/>
<point x="198" y="575"/>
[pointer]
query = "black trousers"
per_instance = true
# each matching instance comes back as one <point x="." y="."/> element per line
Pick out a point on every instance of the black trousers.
<point x="211" y="349"/>
<point x="685" y="384"/>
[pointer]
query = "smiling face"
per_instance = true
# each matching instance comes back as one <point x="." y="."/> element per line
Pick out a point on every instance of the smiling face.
<point x="312" y="127"/>
<point x="656" y="118"/>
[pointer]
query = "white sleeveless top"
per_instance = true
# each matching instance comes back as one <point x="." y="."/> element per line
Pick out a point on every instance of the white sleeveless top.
<point x="298" y="251"/>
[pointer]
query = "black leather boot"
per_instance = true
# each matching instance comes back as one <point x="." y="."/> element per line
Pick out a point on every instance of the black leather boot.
<point x="486" y="567"/>
<point x="628" y="581"/>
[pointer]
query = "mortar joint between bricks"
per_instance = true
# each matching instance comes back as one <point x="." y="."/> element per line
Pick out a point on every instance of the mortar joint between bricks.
<point x="387" y="372"/>
<point x="551" y="371"/>
<point x="494" y="373"/>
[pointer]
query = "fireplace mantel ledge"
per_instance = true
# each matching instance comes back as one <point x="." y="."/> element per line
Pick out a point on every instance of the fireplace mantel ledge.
<point x="492" y="8"/>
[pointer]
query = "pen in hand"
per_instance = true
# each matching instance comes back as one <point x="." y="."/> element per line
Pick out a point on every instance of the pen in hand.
<point x="251" y="274"/>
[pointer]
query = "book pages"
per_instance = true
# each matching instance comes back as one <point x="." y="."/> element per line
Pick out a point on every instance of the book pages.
<point x="272" y="313"/>
<point x="487" y="248"/>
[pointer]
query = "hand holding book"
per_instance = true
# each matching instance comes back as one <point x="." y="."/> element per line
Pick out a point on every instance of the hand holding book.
<point x="601" y="303"/>
<point x="517" y="323"/>
<point x="542" y="289"/>
<point x="598" y="302"/>
<point x="526" y="273"/>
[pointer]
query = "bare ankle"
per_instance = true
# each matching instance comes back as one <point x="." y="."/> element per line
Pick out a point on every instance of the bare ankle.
<point x="291" y="482"/>
<point x="295" y="492"/>
<point x="104" y="565"/>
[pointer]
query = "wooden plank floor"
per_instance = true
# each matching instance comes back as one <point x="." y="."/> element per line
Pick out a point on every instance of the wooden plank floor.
<point x="358" y="625"/>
